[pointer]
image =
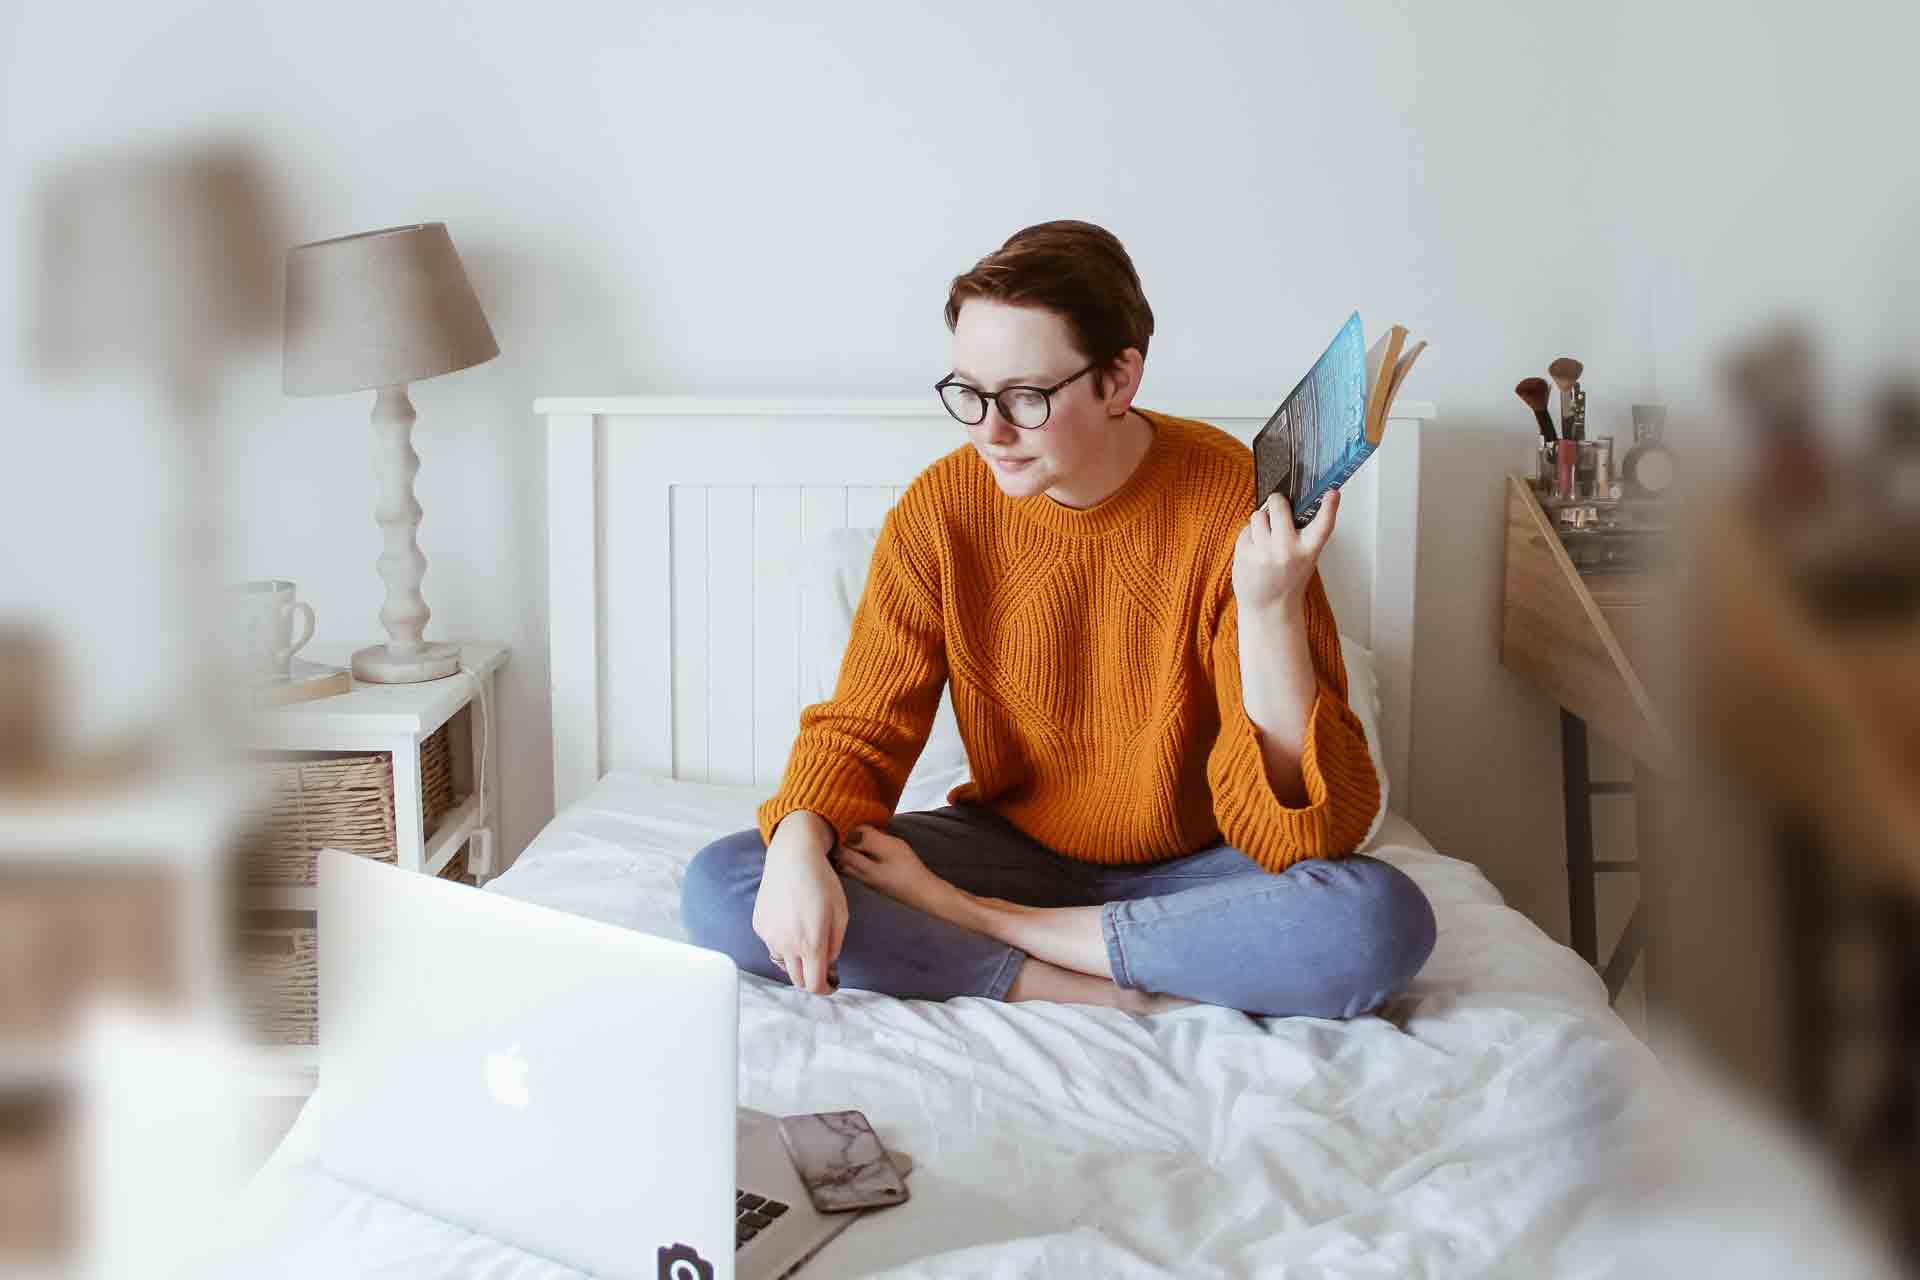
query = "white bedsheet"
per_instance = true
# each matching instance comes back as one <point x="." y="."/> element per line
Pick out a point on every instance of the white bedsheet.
<point x="1491" y="1135"/>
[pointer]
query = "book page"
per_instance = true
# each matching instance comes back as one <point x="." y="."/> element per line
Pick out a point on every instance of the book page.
<point x="1381" y="363"/>
<point x="1401" y="370"/>
<point x="1376" y="356"/>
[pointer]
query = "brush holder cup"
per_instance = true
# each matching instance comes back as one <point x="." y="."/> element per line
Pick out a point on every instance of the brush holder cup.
<point x="1545" y="464"/>
<point x="1575" y="470"/>
<point x="1593" y="469"/>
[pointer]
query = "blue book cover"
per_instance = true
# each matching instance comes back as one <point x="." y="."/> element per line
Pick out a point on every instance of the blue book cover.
<point x="1332" y="421"/>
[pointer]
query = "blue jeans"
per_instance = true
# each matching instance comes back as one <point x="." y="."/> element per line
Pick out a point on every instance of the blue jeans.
<point x="1327" y="938"/>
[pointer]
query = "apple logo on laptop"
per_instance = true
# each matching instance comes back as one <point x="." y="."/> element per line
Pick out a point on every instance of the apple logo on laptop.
<point x="507" y="1077"/>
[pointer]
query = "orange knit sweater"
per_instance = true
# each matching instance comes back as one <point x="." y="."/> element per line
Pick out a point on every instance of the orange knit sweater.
<point x="1094" y="662"/>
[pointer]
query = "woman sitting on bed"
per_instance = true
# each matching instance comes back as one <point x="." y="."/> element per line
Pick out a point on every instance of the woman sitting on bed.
<point x="1168" y="786"/>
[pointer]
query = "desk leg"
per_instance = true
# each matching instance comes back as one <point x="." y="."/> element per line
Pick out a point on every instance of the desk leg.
<point x="1582" y="922"/>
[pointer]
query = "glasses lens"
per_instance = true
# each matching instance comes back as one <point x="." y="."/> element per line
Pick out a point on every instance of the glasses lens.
<point x="1024" y="407"/>
<point x="963" y="402"/>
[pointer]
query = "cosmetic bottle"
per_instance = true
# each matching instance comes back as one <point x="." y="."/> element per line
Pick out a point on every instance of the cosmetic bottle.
<point x="1649" y="469"/>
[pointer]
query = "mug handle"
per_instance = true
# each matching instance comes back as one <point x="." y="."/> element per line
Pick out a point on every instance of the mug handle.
<point x="305" y="610"/>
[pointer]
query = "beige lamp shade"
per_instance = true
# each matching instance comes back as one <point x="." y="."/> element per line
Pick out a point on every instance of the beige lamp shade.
<point x="380" y="309"/>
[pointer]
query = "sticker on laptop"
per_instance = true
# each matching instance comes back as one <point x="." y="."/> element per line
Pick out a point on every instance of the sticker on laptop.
<point x="683" y="1262"/>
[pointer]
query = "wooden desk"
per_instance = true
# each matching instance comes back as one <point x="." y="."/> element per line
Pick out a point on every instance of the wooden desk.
<point x="1586" y="641"/>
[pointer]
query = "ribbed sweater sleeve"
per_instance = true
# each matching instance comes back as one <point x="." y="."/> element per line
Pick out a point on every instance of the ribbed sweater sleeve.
<point x="853" y="753"/>
<point x="1342" y="789"/>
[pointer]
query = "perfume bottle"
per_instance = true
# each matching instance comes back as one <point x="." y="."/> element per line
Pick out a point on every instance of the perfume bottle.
<point x="1649" y="469"/>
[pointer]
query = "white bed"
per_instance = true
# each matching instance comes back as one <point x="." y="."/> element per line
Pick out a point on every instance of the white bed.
<point x="1058" y="1140"/>
<point x="1477" y="1128"/>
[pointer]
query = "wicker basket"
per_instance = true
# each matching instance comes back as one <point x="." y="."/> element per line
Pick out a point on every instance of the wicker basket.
<point x="337" y="800"/>
<point x="456" y="869"/>
<point x="281" y="963"/>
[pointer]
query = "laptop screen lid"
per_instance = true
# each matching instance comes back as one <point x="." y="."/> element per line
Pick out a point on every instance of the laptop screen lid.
<point x="555" y="1082"/>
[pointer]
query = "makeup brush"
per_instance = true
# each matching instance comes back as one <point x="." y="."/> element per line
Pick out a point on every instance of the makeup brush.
<point x="1534" y="392"/>
<point x="1565" y="372"/>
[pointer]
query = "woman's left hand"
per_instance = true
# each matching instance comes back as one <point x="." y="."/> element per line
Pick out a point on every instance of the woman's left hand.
<point x="1272" y="561"/>
<point x="883" y="861"/>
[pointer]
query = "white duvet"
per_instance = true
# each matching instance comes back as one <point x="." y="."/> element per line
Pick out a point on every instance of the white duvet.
<point x="1501" y="1120"/>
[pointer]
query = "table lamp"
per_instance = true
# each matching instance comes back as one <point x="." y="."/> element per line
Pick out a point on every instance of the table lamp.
<point x="376" y="311"/>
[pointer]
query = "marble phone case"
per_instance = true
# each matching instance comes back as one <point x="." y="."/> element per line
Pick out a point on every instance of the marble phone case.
<point x="841" y="1162"/>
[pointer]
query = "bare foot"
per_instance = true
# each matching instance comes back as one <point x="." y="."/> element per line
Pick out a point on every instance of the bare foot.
<point x="1038" y="980"/>
<point x="883" y="861"/>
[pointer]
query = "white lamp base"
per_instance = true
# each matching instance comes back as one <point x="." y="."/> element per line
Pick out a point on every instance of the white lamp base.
<point x="378" y="664"/>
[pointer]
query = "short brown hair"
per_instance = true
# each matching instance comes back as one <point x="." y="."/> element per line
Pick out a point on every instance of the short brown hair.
<point x="1075" y="269"/>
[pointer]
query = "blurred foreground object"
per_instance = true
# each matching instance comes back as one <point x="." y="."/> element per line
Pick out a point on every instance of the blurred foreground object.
<point x="1713" y="1185"/>
<point x="1807" y="653"/>
<point x="379" y="310"/>
<point x="1803" y="651"/>
<point x="1774" y="380"/>
<point x="109" y="888"/>
<point x="1819" y="712"/>
<point x="1896" y="472"/>
<point x="160" y="261"/>
<point x="36" y="758"/>
<point x="27" y="678"/>
<point x="157" y="262"/>
<point x="168" y="1128"/>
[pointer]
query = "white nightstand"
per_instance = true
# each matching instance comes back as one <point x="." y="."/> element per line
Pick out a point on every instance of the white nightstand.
<point x="397" y="718"/>
<point x="393" y="718"/>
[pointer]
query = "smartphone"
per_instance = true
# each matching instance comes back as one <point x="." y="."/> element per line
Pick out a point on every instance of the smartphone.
<point x="841" y="1162"/>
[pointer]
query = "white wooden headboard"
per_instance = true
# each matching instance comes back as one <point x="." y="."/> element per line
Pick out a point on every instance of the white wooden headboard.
<point x="673" y="628"/>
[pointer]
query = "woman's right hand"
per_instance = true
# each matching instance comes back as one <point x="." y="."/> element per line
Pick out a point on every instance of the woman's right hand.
<point x="801" y="909"/>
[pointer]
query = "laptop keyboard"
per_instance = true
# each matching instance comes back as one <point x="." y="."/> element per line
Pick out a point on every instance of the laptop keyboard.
<point x="752" y="1214"/>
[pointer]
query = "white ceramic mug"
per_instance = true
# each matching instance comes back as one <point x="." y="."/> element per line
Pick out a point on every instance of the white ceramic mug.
<point x="261" y="616"/>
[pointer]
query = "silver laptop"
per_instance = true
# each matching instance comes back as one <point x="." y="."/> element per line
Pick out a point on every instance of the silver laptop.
<point x="554" y="1082"/>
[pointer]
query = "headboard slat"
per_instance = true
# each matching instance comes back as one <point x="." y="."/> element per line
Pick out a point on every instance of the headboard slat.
<point x="776" y="633"/>
<point x="674" y="628"/>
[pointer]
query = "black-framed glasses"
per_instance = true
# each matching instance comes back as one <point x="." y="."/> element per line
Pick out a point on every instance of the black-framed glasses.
<point x="1025" y="407"/>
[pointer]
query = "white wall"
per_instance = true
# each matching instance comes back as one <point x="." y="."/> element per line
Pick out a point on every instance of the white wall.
<point x="690" y="198"/>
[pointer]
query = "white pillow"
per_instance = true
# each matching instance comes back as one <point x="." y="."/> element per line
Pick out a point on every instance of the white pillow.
<point x="1363" y="695"/>
<point x="830" y="571"/>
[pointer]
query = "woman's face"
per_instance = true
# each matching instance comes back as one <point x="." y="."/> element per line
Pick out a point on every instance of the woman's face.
<point x="996" y="345"/>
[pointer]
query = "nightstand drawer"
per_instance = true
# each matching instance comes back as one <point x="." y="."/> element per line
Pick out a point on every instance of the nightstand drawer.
<point x="280" y="967"/>
<point x="338" y="800"/>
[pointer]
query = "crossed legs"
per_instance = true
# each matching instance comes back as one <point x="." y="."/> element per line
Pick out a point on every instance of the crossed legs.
<point x="1066" y="949"/>
<point x="957" y="902"/>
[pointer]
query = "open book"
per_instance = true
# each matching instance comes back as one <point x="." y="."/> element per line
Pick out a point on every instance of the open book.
<point x="1333" y="421"/>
